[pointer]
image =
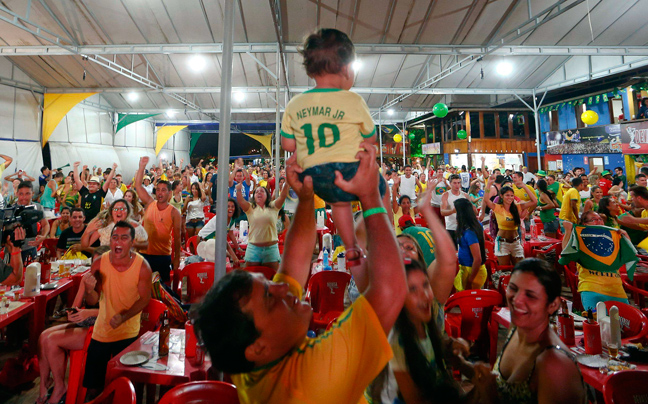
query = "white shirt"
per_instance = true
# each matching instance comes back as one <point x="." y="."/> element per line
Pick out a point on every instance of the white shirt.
<point x="194" y="178"/>
<point x="408" y="187"/>
<point x="148" y="188"/>
<point x="528" y="177"/>
<point x="110" y="197"/>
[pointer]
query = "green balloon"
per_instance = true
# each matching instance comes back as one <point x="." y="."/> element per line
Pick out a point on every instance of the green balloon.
<point x="440" y="110"/>
<point x="412" y="136"/>
<point x="462" y="134"/>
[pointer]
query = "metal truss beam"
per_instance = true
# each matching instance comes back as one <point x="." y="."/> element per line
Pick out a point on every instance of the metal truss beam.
<point x="362" y="49"/>
<point x="22" y="85"/>
<point x="539" y="19"/>
<point x="272" y="89"/>
<point x="270" y="110"/>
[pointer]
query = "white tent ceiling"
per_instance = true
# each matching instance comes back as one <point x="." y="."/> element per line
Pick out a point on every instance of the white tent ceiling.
<point x="401" y="44"/>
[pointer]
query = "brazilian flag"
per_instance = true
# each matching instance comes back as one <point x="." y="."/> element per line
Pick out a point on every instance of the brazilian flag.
<point x="600" y="248"/>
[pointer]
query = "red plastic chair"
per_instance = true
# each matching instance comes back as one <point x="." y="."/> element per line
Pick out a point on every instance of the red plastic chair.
<point x="75" y="391"/>
<point x="489" y="246"/>
<point x="626" y="387"/>
<point x="501" y="288"/>
<point x="210" y="391"/>
<point x="638" y="293"/>
<point x="192" y="245"/>
<point x="206" y="209"/>
<point x="268" y="272"/>
<point x="571" y="278"/>
<point x="209" y="216"/>
<point x="326" y="293"/>
<point x="420" y="221"/>
<point x="119" y="391"/>
<point x="150" y="316"/>
<point x="634" y="324"/>
<point x="328" y="222"/>
<point x="200" y="277"/>
<point x="473" y="323"/>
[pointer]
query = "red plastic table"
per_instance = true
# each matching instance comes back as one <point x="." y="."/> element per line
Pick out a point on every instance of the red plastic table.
<point x="591" y="376"/>
<point x="15" y="314"/>
<point x="180" y="369"/>
<point x="535" y="242"/>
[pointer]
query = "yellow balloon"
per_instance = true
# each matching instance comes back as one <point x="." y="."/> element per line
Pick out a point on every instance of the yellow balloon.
<point x="589" y="117"/>
<point x="397" y="138"/>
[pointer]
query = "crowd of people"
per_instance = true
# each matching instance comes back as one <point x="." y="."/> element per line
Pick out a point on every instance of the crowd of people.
<point x="420" y="235"/>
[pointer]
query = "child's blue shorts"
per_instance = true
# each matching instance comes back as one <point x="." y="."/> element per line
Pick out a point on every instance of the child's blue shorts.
<point x="324" y="181"/>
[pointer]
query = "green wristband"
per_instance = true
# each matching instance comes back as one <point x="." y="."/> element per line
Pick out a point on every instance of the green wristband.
<point x="373" y="211"/>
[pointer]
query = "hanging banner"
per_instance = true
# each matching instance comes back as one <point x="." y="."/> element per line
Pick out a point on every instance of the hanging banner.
<point x="194" y="140"/>
<point x="634" y="137"/>
<point x="265" y="140"/>
<point x="594" y="139"/>
<point x="126" y="119"/>
<point x="164" y="133"/>
<point x="55" y="107"/>
<point x="431" y="148"/>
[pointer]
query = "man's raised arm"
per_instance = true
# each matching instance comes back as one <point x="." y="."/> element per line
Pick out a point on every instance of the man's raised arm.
<point x="139" y="176"/>
<point x="387" y="282"/>
<point x="300" y="240"/>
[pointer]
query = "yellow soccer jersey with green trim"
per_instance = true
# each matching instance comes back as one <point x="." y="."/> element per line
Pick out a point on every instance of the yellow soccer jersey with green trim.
<point x="335" y="367"/>
<point x="328" y="125"/>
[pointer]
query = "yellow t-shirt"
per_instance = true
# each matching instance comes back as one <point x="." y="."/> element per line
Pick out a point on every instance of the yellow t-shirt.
<point x="566" y="208"/>
<point x="319" y="202"/>
<point x="123" y="187"/>
<point x="328" y="125"/>
<point x="521" y="193"/>
<point x="263" y="223"/>
<point x="605" y="283"/>
<point x="422" y="188"/>
<point x="644" y="214"/>
<point x="335" y="367"/>
<point x="504" y="219"/>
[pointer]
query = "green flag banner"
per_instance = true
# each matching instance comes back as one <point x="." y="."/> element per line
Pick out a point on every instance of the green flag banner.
<point x="605" y="98"/>
<point x="194" y="140"/>
<point x="598" y="99"/>
<point x="126" y="119"/>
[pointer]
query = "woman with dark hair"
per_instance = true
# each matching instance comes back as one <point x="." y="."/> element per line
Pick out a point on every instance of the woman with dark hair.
<point x="401" y="206"/>
<point x="421" y="351"/>
<point x="609" y="209"/>
<point x="472" y="254"/>
<point x="193" y="209"/>
<point x="547" y="205"/>
<point x="176" y="200"/>
<point x="535" y="366"/>
<point x="262" y="214"/>
<point x="508" y="248"/>
<point x="61" y="223"/>
<point x="593" y="203"/>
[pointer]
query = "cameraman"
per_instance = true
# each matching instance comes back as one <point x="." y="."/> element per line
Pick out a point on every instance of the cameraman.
<point x="11" y="268"/>
<point x="25" y="195"/>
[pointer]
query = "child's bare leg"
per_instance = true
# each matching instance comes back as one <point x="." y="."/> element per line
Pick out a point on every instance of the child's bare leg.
<point x="343" y="218"/>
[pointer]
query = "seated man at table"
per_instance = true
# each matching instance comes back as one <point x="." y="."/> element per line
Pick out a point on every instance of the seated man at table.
<point x="255" y="329"/>
<point x="122" y="286"/>
<point x="11" y="268"/>
<point x="70" y="238"/>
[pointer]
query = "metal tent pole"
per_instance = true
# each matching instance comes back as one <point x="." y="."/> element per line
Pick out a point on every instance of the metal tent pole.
<point x="537" y="128"/>
<point x="404" y="146"/>
<point x="224" y="141"/>
<point x="277" y="123"/>
<point x="380" y="134"/>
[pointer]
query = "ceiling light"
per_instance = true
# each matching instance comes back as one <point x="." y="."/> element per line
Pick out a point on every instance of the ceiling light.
<point x="170" y="113"/>
<point x="390" y="112"/>
<point x="239" y="96"/>
<point x="356" y="65"/>
<point x="132" y="97"/>
<point x="197" y="63"/>
<point x="504" y="68"/>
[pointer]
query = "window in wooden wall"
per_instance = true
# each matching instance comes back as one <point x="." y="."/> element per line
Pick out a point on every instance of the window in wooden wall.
<point x="504" y="125"/>
<point x="475" y="133"/>
<point x="489" y="125"/>
<point x="518" y="125"/>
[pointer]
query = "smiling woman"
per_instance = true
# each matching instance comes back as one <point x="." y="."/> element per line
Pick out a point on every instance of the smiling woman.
<point x="101" y="227"/>
<point x="534" y="365"/>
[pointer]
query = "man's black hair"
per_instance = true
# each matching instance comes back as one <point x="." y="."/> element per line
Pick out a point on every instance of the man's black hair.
<point x="577" y="181"/>
<point x="124" y="225"/>
<point x="25" y="184"/>
<point x="165" y="182"/>
<point x="223" y="327"/>
<point x="43" y="168"/>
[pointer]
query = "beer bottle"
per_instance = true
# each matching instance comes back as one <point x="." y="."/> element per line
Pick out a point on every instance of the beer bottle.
<point x="165" y="329"/>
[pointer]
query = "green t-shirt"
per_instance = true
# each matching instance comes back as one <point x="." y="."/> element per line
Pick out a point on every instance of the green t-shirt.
<point x="423" y="237"/>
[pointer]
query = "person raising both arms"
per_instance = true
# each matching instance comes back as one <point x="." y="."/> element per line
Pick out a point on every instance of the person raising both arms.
<point x="509" y="215"/>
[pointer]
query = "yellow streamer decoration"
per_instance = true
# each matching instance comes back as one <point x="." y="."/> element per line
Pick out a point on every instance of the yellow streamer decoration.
<point x="265" y="140"/>
<point x="164" y="133"/>
<point x="55" y="107"/>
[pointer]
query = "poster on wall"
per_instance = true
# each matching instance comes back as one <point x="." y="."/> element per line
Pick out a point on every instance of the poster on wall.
<point x="559" y="165"/>
<point x="634" y="137"/>
<point x="431" y="148"/>
<point x="596" y="139"/>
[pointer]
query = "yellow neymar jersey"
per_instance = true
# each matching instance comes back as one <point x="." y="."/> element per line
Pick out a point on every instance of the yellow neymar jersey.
<point x="335" y="367"/>
<point x="328" y="125"/>
<point x="566" y="208"/>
